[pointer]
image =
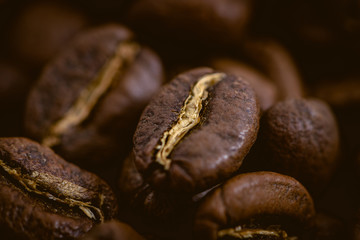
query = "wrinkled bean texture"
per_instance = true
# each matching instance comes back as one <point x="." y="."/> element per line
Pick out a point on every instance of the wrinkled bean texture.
<point x="104" y="65"/>
<point x="213" y="149"/>
<point x="44" y="197"/>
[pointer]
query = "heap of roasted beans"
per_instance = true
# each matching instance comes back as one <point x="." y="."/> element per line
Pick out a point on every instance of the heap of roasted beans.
<point x="169" y="119"/>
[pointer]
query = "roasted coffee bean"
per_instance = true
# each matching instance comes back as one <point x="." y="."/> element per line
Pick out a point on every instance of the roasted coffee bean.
<point x="42" y="29"/>
<point x="278" y="64"/>
<point x="300" y="138"/>
<point x="44" y="197"/>
<point x="112" y="230"/>
<point x="87" y="101"/>
<point x="207" y="21"/>
<point x="259" y="205"/>
<point x="196" y="131"/>
<point x="265" y="89"/>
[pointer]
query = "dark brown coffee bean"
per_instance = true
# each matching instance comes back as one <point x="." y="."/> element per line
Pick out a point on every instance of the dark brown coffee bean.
<point x="42" y="29"/>
<point x="300" y="138"/>
<point x="88" y="99"/>
<point x="113" y="230"/>
<point x="266" y="91"/>
<point x="44" y="197"/>
<point x="259" y="205"/>
<point x="208" y="21"/>
<point x="278" y="65"/>
<point x="196" y="131"/>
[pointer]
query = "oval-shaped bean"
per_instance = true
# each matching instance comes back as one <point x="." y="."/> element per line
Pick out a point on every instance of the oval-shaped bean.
<point x="44" y="197"/>
<point x="300" y="138"/>
<point x="254" y="205"/>
<point x="88" y="99"/>
<point x="196" y="131"/>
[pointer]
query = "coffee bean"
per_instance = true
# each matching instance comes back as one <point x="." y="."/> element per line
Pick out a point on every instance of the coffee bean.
<point x="278" y="64"/>
<point x="196" y="131"/>
<point x="44" y="197"/>
<point x="88" y="99"/>
<point x="196" y="134"/>
<point x="183" y="19"/>
<point x="259" y="205"/>
<point x="112" y="230"/>
<point x="42" y="29"/>
<point x="300" y="138"/>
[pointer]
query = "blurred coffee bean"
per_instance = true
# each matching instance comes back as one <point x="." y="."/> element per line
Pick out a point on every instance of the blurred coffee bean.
<point x="42" y="29"/>
<point x="324" y="41"/>
<point x="277" y="64"/>
<point x="87" y="100"/>
<point x="259" y="205"/>
<point x="265" y="90"/>
<point x="199" y="22"/>
<point x="112" y="230"/>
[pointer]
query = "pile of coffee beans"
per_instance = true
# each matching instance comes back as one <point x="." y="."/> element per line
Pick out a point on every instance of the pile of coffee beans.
<point x="169" y="119"/>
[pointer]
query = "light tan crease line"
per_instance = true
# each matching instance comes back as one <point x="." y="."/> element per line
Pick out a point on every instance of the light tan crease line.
<point x="250" y="233"/>
<point x="70" y="190"/>
<point x="189" y="117"/>
<point x="81" y="109"/>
